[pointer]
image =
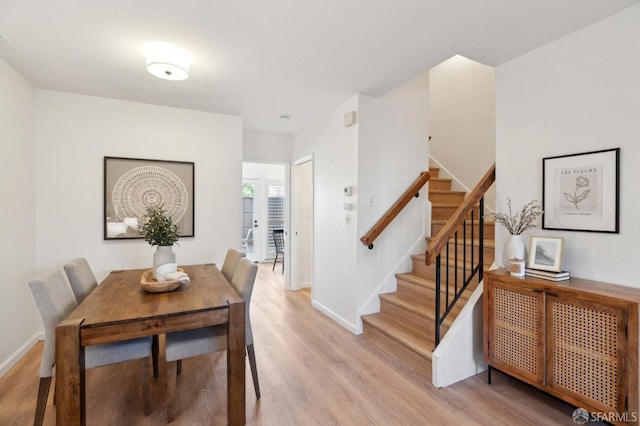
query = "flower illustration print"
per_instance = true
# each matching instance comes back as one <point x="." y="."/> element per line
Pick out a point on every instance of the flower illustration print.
<point x="581" y="192"/>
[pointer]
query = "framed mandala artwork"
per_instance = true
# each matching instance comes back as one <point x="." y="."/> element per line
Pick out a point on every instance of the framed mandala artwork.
<point x="131" y="185"/>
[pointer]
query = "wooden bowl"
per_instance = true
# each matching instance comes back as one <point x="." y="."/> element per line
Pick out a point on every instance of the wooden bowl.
<point x="152" y="286"/>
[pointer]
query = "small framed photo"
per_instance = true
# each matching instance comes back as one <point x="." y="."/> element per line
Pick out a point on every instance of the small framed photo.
<point x="546" y="253"/>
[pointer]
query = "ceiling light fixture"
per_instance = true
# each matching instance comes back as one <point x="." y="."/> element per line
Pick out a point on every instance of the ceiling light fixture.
<point x="167" y="61"/>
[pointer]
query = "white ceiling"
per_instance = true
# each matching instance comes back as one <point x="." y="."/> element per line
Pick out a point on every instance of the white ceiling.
<point x="260" y="59"/>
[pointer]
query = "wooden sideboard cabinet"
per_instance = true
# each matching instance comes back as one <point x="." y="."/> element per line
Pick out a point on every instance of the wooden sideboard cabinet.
<point x="576" y="339"/>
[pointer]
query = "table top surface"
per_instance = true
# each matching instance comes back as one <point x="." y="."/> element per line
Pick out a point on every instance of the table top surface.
<point x="120" y="297"/>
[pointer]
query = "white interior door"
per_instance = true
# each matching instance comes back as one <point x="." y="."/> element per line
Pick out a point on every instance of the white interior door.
<point x="251" y="240"/>
<point x="302" y="225"/>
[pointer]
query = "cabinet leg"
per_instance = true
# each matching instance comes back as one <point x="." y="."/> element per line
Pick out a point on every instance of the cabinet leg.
<point x="489" y="375"/>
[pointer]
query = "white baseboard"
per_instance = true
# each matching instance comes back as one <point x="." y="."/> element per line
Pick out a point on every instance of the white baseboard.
<point x="337" y="318"/>
<point x="17" y="355"/>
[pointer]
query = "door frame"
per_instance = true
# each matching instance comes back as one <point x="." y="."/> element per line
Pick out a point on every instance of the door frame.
<point x="296" y="248"/>
<point x="287" y="212"/>
<point x="257" y="230"/>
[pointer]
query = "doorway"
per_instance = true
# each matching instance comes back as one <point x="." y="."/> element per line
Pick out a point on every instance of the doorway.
<point x="264" y="208"/>
<point x="302" y="224"/>
<point x="251" y="218"/>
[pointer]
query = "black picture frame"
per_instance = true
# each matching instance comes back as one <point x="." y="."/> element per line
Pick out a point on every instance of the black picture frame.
<point x="581" y="192"/>
<point x="133" y="184"/>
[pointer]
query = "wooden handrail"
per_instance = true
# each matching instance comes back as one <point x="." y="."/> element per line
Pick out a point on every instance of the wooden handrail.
<point x="395" y="209"/>
<point x="440" y="240"/>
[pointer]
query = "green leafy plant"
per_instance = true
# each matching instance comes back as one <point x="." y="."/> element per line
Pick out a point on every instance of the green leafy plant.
<point x="517" y="223"/>
<point x="157" y="228"/>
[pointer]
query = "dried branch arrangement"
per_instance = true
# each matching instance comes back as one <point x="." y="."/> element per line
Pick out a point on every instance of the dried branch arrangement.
<point x="517" y="223"/>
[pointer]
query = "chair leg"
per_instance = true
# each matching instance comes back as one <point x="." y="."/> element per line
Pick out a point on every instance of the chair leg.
<point x="41" y="404"/>
<point x="274" y="262"/>
<point x="146" y="388"/>
<point x="179" y="367"/>
<point x="172" y="372"/>
<point x="155" y="349"/>
<point x="254" y="369"/>
<point x="283" y="263"/>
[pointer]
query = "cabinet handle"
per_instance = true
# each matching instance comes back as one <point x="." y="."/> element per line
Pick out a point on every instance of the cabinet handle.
<point x="552" y="294"/>
<point x="533" y="290"/>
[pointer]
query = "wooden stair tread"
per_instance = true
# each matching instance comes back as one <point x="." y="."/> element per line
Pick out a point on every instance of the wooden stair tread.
<point x="460" y="264"/>
<point x="421" y="282"/>
<point x="488" y="242"/>
<point x="443" y="221"/>
<point x="408" y="302"/>
<point x="446" y="191"/>
<point x="418" y="340"/>
<point x="423" y="307"/>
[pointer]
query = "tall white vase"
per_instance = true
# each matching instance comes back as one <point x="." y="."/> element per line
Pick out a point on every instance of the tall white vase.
<point x="514" y="248"/>
<point x="162" y="256"/>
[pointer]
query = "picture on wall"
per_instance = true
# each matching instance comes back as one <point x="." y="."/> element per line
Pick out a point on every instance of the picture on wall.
<point x="581" y="192"/>
<point x="131" y="185"/>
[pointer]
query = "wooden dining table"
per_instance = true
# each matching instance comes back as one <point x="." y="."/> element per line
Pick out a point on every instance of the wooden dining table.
<point x="120" y="309"/>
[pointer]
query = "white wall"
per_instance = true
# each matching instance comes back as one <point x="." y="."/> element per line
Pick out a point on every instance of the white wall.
<point x="578" y="94"/>
<point x="392" y="151"/>
<point x="380" y="157"/>
<point x="462" y="120"/>
<point x="335" y="165"/>
<point x="19" y="317"/>
<point x="266" y="172"/>
<point x="266" y="146"/>
<point x="75" y="132"/>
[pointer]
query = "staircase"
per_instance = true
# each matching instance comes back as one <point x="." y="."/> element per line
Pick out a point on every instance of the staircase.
<point x="404" y="327"/>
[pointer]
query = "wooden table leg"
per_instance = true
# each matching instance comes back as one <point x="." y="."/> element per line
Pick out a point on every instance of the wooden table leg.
<point x="236" y="411"/>
<point x="70" y="410"/>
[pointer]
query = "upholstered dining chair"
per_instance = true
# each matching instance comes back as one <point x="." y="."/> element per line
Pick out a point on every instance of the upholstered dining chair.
<point x="230" y="263"/>
<point x="191" y="343"/>
<point x="56" y="301"/>
<point x="81" y="278"/>
<point x="83" y="282"/>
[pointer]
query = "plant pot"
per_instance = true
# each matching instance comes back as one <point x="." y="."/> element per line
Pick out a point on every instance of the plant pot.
<point x="162" y="256"/>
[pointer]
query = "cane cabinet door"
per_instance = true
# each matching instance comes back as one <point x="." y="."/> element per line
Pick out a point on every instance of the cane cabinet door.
<point x="516" y="330"/>
<point x="586" y="342"/>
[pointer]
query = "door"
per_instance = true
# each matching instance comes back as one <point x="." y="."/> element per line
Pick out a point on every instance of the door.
<point x="302" y="225"/>
<point x="515" y="326"/>
<point x="251" y="219"/>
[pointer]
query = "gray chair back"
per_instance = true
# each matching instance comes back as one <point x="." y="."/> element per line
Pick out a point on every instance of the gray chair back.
<point x="230" y="263"/>
<point x="55" y="301"/>
<point x="81" y="278"/>
<point x="242" y="282"/>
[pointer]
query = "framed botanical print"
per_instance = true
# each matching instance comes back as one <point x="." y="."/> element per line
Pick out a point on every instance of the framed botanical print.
<point x="581" y="192"/>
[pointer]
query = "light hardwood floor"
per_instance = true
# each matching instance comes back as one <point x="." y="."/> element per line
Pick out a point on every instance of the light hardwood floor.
<point x="312" y="372"/>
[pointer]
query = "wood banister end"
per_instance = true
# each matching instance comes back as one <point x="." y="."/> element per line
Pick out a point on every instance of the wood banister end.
<point x="427" y="258"/>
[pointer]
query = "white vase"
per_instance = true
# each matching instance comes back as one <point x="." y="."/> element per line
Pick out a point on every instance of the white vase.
<point x="514" y="248"/>
<point x="162" y="256"/>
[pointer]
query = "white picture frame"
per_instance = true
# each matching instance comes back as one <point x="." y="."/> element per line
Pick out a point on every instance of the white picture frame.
<point x="545" y="253"/>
